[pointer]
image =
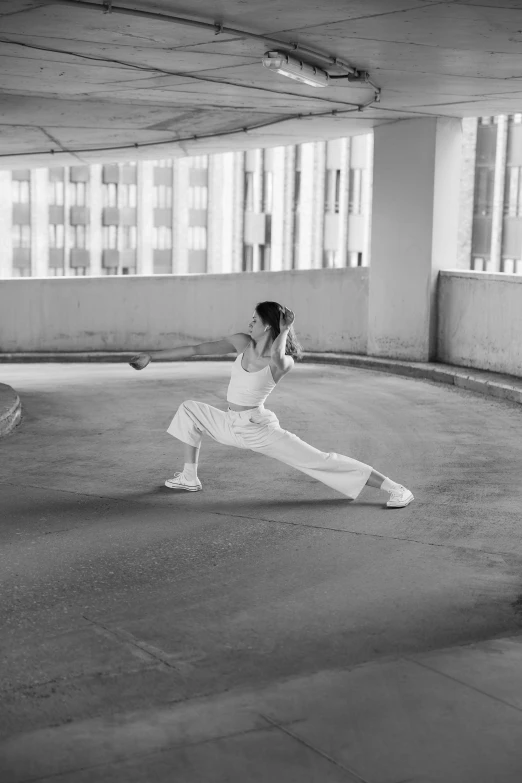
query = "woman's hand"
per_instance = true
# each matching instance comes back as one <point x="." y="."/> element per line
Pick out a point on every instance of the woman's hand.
<point x="140" y="361"/>
<point x="286" y="319"/>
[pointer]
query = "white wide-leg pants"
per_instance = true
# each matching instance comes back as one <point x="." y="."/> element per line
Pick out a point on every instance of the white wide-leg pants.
<point x="259" y="430"/>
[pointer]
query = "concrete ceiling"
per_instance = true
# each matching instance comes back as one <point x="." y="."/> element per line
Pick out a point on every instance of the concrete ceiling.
<point x="90" y="85"/>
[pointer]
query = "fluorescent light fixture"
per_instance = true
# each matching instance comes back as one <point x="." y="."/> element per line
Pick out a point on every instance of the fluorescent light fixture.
<point x="295" y="69"/>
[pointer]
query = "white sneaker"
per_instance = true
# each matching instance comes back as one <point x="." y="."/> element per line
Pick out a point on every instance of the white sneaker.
<point x="399" y="497"/>
<point x="180" y="482"/>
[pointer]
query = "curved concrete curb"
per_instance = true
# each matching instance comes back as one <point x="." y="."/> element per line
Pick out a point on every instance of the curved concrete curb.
<point x="493" y="384"/>
<point x="10" y="409"/>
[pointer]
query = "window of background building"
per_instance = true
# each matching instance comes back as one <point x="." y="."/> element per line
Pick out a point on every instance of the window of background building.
<point x="197" y="238"/>
<point x="129" y="237"/>
<point x="21" y="236"/>
<point x="268" y="191"/>
<point x="162" y="238"/>
<point x="109" y="194"/>
<point x="79" y="237"/>
<point x="484" y="186"/>
<point x="20" y="191"/>
<point x="332" y="191"/>
<point x="162" y="196"/>
<point x="78" y="194"/>
<point x="355" y="191"/>
<point x="199" y="162"/>
<point x="198" y="197"/>
<point x="128" y="195"/>
<point x="249" y="187"/>
<point x="248" y="258"/>
<point x="110" y="237"/>
<point x="483" y="192"/>
<point x="513" y="192"/>
<point x="330" y="259"/>
<point x="56" y="193"/>
<point x="56" y="236"/>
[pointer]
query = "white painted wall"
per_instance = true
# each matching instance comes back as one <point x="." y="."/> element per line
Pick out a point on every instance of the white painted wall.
<point x="480" y="321"/>
<point x="161" y="311"/>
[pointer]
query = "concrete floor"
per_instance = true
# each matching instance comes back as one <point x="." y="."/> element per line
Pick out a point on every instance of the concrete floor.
<point x="121" y="598"/>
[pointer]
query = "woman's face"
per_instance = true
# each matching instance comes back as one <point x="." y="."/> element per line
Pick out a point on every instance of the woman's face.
<point x="256" y="327"/>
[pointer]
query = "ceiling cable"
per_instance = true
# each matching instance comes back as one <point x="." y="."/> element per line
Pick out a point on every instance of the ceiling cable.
<point x="218" y="28"/>
<point x="192" y="137"/>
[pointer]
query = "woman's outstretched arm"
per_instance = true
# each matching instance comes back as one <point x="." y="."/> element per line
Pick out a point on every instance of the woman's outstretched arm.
<point x="235" y="342"/>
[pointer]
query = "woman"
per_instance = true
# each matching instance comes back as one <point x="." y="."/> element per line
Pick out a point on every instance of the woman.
<point x="265" y="355"/>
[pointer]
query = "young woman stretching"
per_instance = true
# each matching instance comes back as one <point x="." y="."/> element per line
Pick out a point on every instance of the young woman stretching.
<point x="266" y="354"/>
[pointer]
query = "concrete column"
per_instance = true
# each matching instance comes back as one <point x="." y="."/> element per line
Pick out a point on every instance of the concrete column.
<point x="145" y="213"/>
<point x="498" y="195"/>
<point x="416" y="182"/>
<point x="6" y="225"/>
<point x="39" y="223"/>
<point x="181" y="172"/>
<point x="95" y="219"/>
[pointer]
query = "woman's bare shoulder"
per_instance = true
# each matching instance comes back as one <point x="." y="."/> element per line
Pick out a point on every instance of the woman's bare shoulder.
<point x="240" y="341"/>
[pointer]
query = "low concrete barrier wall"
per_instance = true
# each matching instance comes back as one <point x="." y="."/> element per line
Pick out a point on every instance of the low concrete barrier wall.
<point x="480" y="321"/>
<point x="139" y="313"/>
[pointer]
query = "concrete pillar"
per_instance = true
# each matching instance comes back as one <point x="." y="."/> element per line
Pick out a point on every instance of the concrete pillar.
<point x="39" y="223"/>
<point x="497" y="218"/>
<point x="145" y="213"/>
<point x="95" y="219"/>
<point x="416" y="181"/>
<point x="6" y="226"/>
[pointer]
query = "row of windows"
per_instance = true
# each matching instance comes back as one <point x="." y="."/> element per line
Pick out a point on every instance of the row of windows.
<point x="258" y="195"/>
<point x="119" y="195"/>
<point x="79" y="237"/>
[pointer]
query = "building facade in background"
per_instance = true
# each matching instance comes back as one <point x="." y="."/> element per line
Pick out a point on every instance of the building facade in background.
<point x="296" y="207"/>
<point x="491" y="209"/>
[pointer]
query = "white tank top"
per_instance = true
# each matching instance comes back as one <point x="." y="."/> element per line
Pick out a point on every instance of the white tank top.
<point x="249" y="388"/>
